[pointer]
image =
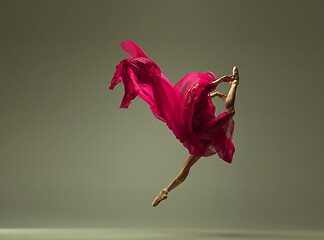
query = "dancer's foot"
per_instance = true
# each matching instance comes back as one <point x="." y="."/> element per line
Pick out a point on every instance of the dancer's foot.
<point x="161" y="196"/>
<point x="236" y="76"/>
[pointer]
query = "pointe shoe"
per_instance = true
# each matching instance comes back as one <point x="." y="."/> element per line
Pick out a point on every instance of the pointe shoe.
<point x="161" y="196"/>
<point x="236" y="75"/>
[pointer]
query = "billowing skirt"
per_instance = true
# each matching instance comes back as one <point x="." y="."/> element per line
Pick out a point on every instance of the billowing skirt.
<point x="186" y="107"/>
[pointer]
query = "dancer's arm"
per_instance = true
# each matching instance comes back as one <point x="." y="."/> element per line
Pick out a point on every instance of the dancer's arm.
<point x="218" y="94"/>
<point x="226" y="78"/>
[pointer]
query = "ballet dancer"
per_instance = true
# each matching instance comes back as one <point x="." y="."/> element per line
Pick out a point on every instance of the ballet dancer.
<point x="192" y="159"/>
<point x="186" y="108"/>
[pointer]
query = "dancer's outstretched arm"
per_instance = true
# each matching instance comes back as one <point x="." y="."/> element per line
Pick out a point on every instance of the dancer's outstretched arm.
<point x="218" y="94"/>
<point x="226" y="78"/>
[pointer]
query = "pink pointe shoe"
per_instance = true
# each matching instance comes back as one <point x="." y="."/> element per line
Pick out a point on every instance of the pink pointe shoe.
<point x="161" y="196"/>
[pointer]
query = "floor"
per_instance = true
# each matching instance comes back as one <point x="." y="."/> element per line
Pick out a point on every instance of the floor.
<point x="155" y="234"/>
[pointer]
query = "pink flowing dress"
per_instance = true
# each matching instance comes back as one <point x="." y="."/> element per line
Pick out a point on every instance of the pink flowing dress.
<point x="186" y="107"/>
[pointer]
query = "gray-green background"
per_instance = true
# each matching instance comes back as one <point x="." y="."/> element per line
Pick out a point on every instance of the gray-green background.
<point x="70" y="157"/>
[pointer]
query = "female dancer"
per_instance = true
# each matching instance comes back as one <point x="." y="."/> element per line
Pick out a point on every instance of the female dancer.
<point x="186" y="108"/>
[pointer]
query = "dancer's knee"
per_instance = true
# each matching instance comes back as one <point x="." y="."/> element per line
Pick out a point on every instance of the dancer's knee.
<point x="230" y="111"/>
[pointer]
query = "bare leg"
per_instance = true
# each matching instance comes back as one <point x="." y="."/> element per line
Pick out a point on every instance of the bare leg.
<point x="229" y="105"/>
<point x="190" y="161"/>
<point x="229" y="102"/>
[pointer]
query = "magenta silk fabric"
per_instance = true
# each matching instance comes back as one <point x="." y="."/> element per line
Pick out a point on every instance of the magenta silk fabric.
<point x="186" y="107"/>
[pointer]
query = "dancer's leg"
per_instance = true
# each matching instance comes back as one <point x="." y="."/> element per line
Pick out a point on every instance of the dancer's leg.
<point x="190" y="161"/>
<point x="208" y="132"/>
<point x="229" y="102"/>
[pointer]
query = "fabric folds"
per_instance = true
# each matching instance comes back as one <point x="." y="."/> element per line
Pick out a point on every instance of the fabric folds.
<point x="186" y="107"/>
